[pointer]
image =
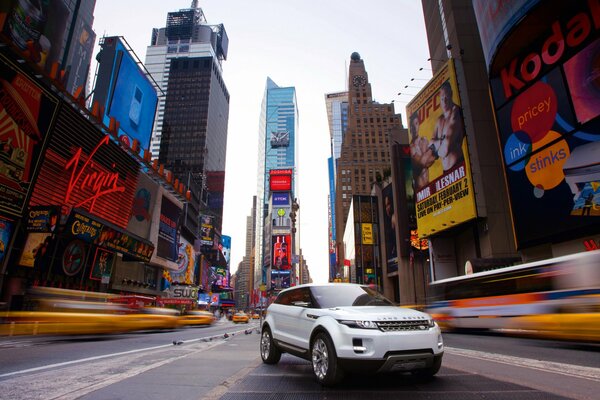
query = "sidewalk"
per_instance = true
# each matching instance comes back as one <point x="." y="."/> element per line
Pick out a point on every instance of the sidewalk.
<point x="205" y="374"/>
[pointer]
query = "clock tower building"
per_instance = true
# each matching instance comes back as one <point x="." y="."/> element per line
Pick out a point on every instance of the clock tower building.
<point x="365" y="151"/>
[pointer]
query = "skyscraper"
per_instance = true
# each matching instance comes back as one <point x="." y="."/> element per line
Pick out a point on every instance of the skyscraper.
<point x="337" y="116"/>
<point x="190" y="133"/>
<point x="277" y="150"/>
<point x="365" y="150"/>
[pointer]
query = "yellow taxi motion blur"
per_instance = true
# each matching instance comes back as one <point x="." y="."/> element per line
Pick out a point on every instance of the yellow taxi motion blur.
<point x="239" y="317"/>
<point x="196" y="317"/>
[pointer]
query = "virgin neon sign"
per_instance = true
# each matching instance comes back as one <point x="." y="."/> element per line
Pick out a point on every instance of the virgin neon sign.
<point x="89" y="179"/>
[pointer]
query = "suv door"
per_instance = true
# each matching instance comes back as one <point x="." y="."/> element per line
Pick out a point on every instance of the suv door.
<point x="301" y="319"/>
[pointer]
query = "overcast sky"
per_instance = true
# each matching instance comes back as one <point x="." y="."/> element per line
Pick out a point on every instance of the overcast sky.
<point x="302" y="43"/>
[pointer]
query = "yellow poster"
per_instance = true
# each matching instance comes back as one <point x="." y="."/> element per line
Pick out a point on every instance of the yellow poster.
<point x="439" y="155"/>
<point x="367" y="233"/>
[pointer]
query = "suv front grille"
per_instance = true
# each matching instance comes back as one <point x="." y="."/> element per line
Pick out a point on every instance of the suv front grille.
<point x="393" y="326"/>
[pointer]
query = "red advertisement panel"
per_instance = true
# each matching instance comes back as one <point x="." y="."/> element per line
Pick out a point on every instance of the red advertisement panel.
<point x="26" y="114"/>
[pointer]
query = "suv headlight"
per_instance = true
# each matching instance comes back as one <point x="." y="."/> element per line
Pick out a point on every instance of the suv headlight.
<point x="359" y="324"/>
<point x="431" y="323"/>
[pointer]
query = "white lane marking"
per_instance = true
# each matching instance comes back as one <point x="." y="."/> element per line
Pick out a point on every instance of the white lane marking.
<point x="66" y="363"/>
<point x="548" y="366"/>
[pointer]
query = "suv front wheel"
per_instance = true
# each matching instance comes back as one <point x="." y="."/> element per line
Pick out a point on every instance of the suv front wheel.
<point x="269" y="353"/>
<point x="324" y="361"/>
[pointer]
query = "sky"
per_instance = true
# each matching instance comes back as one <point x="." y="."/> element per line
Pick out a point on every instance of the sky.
<point x="302" y="43"/>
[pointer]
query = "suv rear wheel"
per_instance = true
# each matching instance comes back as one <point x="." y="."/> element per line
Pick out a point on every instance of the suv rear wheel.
<point x="324" y="361"/>
<point x="269" y="353"/>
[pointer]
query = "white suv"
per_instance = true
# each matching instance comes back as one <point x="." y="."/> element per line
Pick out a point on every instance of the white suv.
<point x="343" y="327"/>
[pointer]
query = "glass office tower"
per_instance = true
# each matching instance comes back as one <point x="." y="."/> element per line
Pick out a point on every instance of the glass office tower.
<point x="277" y="149"/>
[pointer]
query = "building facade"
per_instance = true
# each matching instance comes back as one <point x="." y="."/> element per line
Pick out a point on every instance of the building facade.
<point x="277" y="151"/>
<point x="190" y="133"/>
<point x="365" y="154"/>
<point x="337" y="117"/>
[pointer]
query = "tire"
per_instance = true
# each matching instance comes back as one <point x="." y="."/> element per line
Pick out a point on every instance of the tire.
<point x="428" y="373"/>
<point x="269" y="352"/>
<point x="324" y="361"/>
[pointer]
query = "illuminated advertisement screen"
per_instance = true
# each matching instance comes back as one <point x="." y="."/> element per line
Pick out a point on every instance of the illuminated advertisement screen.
<point x="280" y="183"/>
<point x="83" y="168"/>
<point x="280" y="180"/>
<point x="126" y="93"/>
<point x="389" y="225"/>
<point x="280" y="279"/>
<point x="37" y="29"/>
<point x="547" y="100"/>
<point x="26" y="114"/>
<point x="282" y="249"/>
<point x="495" y="18"/>
<point x="167" y="245"/>
<point x="439" y="155"/>
<point x="206" y="230"/>
<point x="226" y="248"/>
<point x="281" y="199"/>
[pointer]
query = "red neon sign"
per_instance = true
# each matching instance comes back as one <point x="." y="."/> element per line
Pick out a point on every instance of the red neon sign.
<point x="98" y="183"/>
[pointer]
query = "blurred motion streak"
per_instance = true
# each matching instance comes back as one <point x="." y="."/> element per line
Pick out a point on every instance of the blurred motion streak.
<point x="557" y="298"/>
<point x="54" y="311"/>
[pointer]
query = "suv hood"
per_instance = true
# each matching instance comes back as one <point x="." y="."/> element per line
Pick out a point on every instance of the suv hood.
<point x="377" y="313"/>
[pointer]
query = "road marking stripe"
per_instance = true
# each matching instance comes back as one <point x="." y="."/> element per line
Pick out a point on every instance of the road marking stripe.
<point x="548" y="366"/>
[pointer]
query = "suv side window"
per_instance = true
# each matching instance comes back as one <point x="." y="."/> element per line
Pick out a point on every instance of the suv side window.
<point x="286" y="298"/>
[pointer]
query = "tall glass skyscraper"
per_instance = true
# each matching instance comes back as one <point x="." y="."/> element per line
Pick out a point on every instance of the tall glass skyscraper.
<point x="190" y="131"/>
<point x="337" y="116"/>
<point x="277" y="149"/>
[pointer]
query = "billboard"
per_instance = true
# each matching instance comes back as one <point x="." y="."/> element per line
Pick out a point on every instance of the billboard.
<point x="125" y="92"/>
<point x="546" y="95"/>
<point x="83" y="168"/>
<point x="27" y="113"/>
<point x="207" y="230"/>
<point x="142" y="210"/>
<point x="167" y="244"/>
<point x="280" y="180"/>
<point x="282" y="249"/>
<point x="37" y="29"/>
<point x="226" y="249"/>
<point x="495" y="18"/>
<point x="438" y="146"/>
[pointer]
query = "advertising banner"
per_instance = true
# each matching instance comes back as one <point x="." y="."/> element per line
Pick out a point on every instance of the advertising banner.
<point x="367" y="233"/>
<point x="43" y="219"/>
<point x="441" y="169"/>
<point x="206" y="230"/>
<point x="281" y="252"/>
<point x="143" y="207"/>
<point x="37" y="29"/>
<point x="390" y="227"/>
<point x="186" y="263"/>
<point x="281" y="199"/>
<point x="126" y="93"/>
<point x="167" y="246"/>
<point x="495" y="18"/>
<point x="102" y="266"/>
<point x="35" y="249"/>
<point x="280" y="180"/>
<point x="547" y="100"/>
<point x="89" y="230"/>
<point x="6" y="231"/>
<point x="26" y="115"/>
<point x="226" y="248"/>
<point x="281" y="279"/>
<point x="84" y="169"/>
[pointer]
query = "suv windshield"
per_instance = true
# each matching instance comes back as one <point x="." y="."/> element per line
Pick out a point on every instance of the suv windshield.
<point x="344" y="296"/>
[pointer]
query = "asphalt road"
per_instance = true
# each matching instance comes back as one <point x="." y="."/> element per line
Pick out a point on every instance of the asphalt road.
<point x="208" y="365"/>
